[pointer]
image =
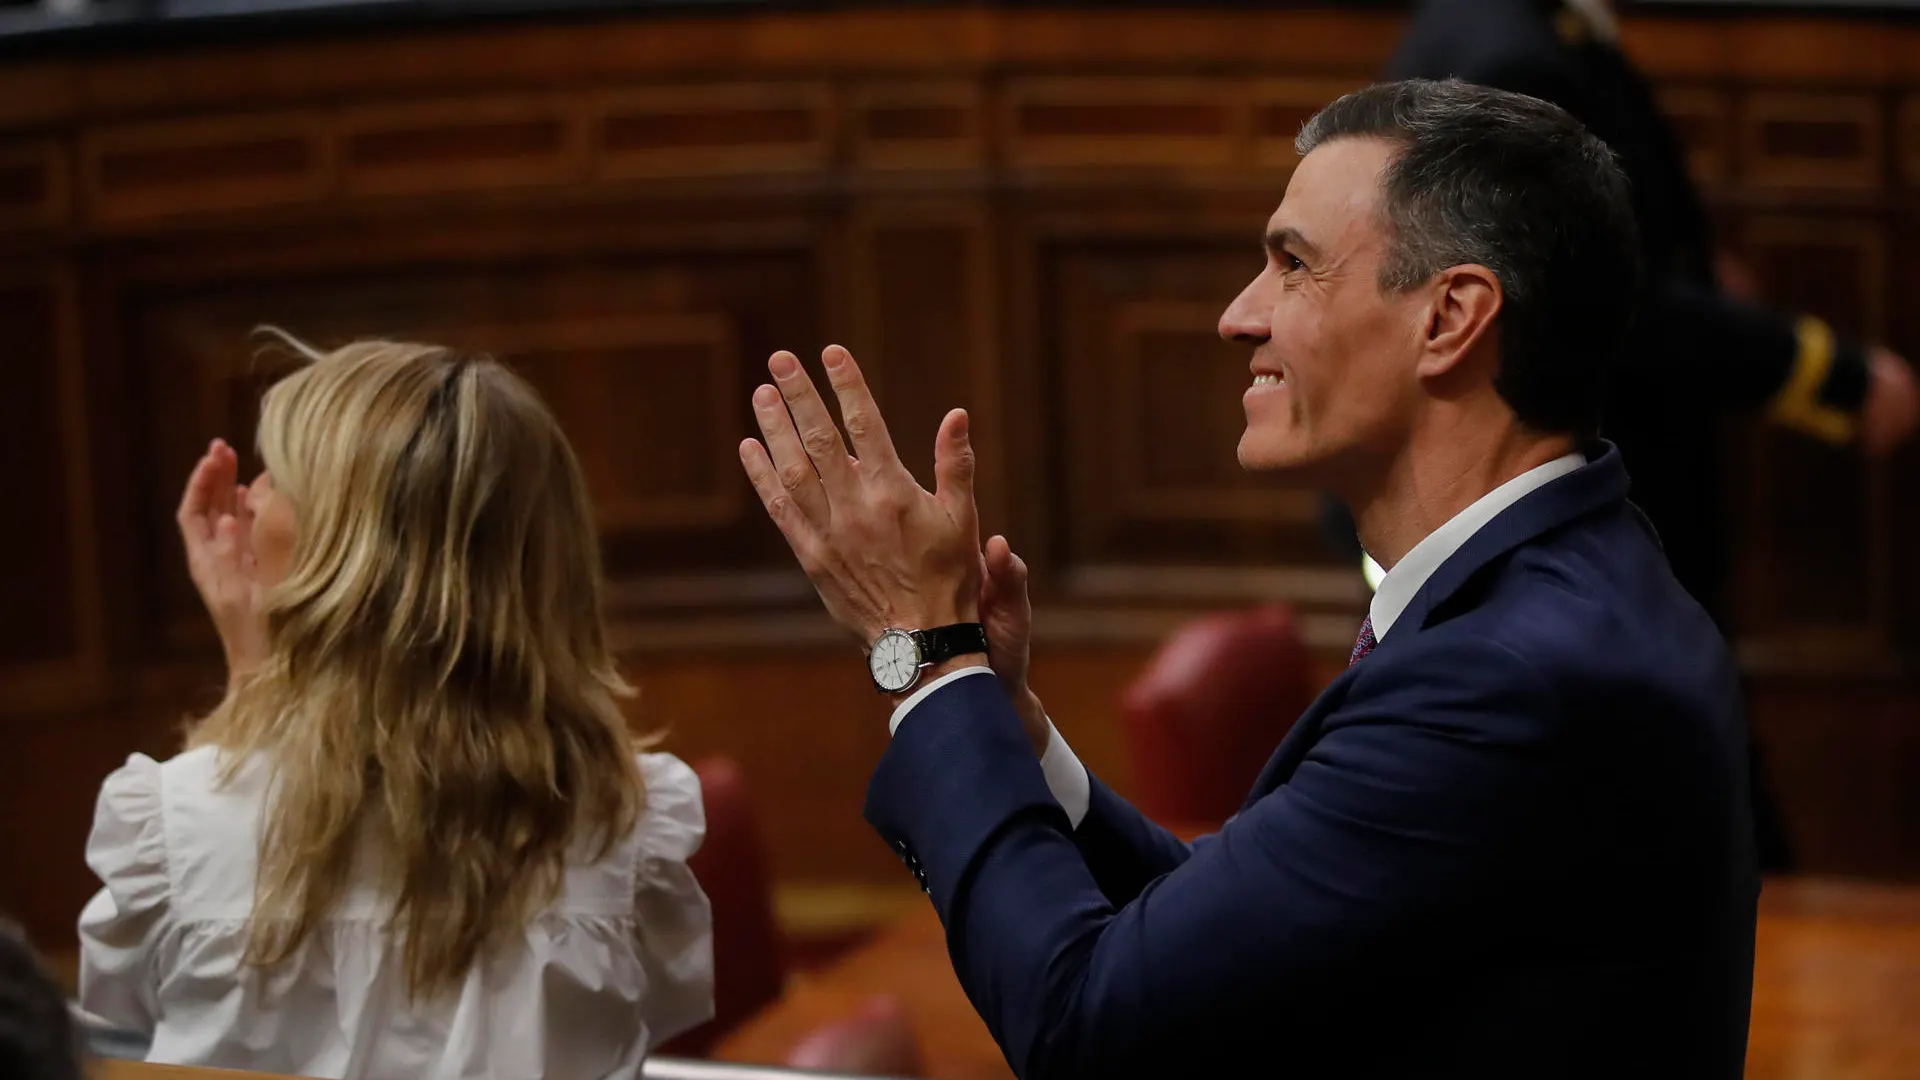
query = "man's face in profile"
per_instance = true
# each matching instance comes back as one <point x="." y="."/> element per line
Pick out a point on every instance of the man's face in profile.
<point x="1333" y="359"/>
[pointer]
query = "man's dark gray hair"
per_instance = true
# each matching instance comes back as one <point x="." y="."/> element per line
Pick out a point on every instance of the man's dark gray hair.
<point x="1516" y="185"/>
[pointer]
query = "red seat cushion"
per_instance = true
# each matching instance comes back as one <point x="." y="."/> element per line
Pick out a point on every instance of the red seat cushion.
<point x="1210" y="708"/>
<point x="877" y="1040"/>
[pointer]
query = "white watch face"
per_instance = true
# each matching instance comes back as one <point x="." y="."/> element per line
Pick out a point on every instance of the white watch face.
<point x="894" y="661"/>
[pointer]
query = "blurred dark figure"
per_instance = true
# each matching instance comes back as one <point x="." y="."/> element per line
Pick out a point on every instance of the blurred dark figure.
<point x="38" y="1038"/>
<point x="1697" y="351"/>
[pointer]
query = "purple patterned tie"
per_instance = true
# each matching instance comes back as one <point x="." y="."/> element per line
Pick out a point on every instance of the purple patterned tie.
<point x="1364" y="643"/>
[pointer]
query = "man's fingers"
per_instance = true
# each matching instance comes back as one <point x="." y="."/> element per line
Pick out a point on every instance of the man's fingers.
<point x="866" y="428"/>
<point x="1008" y="570"/>
<point x="953" y="466"/>
<point x="811" y="419"/>
<point x="778" y="500"/>
<point x="790" y="468"/>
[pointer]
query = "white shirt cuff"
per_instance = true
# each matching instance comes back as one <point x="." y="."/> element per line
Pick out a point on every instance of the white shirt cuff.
<point x="926" y="691"/>
<point x="1066" y="777"/>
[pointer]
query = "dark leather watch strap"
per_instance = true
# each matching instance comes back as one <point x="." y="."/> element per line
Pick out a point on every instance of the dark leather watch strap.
<point x="943" y="643"/>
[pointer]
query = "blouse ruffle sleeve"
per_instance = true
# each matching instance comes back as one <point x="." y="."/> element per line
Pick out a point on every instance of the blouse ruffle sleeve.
<point x="673" y="921"/>
<point x="121" y="926"/>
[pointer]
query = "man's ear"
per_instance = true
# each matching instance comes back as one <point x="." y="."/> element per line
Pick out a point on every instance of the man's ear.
<point x="1464" y="302"/>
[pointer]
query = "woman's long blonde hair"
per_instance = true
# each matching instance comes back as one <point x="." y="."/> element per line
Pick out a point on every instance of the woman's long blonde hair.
<point x="439" y="680"/>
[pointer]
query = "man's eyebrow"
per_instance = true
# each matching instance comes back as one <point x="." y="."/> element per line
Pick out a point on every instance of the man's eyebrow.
<point x="1288" y="238"/>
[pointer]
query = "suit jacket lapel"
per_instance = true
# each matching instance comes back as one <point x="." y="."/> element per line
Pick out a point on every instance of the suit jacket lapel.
<point x="1600" y="483"/>
<point x="1300" y="738"/>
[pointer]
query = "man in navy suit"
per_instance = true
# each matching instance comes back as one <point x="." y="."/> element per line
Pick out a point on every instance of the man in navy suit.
<point x="1513" y="838"/>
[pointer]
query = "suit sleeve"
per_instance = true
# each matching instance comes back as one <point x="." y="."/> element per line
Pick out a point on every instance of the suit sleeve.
<point x="1124" y="851"/>
<point x="1392" y="822"/>
<point x="1700" y="347"/>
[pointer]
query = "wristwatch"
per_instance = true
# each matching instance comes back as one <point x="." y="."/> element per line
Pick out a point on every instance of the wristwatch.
<point x="899" y="656"/>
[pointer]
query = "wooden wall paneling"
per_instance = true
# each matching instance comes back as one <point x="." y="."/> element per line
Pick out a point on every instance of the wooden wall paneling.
<point x="1703" y="118"/>
<point x="35" y="95"/>
<point x="919" y="124"/>
<point x="924" y="310"/>
<point x="645" y="357"/>
<point x="1281" y="107"/>
<point x="1819" y="570"/>
<point x="200" y="377"/>
<point x="36" y="183"/>
<point x="1068" y="122"/>
<point x="1793" y="139"/>
<point x="1051" y="318"/>
<point x="1906" y="140"/>
<point x="51" y="641"/>
<point x="208" y="165"/>
<point x="1903" y="469"/>
<point x="1030" y="427"/>
<point x="1844" y="757"/>
<point x="461" y="144"/>
<point x="1151" y="397"/>
<point x="1174" y="385"/>
<point x="1855" y="50"/>
<point x="718" y="129"/>
<point x="648" y="402"/>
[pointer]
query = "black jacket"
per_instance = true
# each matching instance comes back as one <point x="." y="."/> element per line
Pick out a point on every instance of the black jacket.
<point x="1693" y="353"/>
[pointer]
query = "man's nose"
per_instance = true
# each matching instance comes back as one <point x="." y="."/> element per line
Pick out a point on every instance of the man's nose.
<point x="1245" y="320"/>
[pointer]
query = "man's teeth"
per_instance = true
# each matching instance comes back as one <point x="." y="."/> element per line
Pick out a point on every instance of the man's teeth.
<point x="1267" y="380"/>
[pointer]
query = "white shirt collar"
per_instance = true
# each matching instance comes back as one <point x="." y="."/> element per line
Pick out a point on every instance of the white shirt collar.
<point x="1404" y="581"/>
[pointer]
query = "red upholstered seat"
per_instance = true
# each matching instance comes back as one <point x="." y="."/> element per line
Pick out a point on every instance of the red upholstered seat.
<point x="877" y="1040"/>
<point x="1209" y="709"/>
<point x="749" y="957"/>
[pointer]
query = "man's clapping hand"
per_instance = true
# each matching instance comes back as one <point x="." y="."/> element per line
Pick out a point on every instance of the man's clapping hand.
<point x="881" y="550"/>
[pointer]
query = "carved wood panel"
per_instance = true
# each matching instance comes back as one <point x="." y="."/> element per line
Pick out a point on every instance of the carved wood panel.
<point x="645" y="360"/>
<point x="701" y="130"/>
<point x="924" y="312"/>
<point x="1147" y="405"/>
<point x="1813" y="140"/>
<point x="461" y="145"/>
<point x="1089" y="122"/>
<point x="1281" y="107"/>
<point x="35" y="183"/>
<point x="222" y="164"/>
<point x="919" y="125"/>
<point x="50" y="638"/>
<point x="1907" y="140"/>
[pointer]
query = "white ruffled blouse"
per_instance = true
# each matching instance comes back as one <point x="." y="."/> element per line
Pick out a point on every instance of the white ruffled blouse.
<point x="622" y="960"/>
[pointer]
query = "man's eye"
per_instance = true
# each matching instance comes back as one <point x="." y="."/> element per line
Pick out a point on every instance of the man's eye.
<point x="1289" y="263"/>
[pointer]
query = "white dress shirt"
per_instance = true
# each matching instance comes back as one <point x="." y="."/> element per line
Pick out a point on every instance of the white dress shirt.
<point x="1404" y="582"/>
<point x="1067" y="777"/>
<point x="621" y="960"/>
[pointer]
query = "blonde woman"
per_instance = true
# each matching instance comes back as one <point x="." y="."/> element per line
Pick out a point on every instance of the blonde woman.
<point x="415" y="839"/>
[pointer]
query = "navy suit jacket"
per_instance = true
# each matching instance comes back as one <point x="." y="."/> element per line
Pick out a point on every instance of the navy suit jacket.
<point x="1513" y="841"/>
